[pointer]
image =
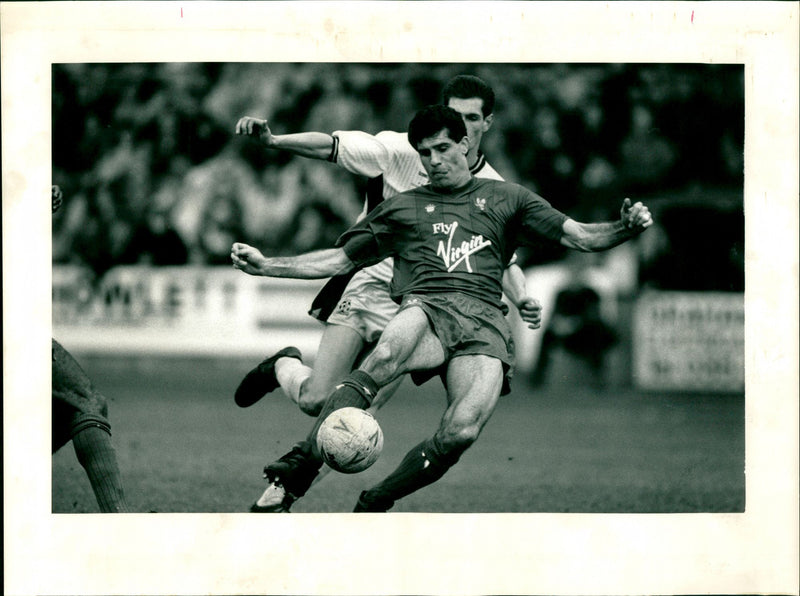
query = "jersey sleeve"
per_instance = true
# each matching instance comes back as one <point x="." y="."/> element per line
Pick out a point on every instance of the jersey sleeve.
<point x="369" y="155"/>
<point x="360" y="247"/>
<point x="362" y="153"/>
<point x="538" y="218"/>
<point x="368" y="241"/>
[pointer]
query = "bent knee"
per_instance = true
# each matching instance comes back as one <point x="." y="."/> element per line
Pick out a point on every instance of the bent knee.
<point x="459" y="438"/>
<point x="311" y="402"/>
<point x="383" y="354"/>
<point x="383" y="361"/>
<point x="311" y="408"/>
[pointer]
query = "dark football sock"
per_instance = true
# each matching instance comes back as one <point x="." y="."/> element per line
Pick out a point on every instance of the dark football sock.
<point x="423" y="465"/>
<point x="97" y="456"/>
<point x="356" y="390"/>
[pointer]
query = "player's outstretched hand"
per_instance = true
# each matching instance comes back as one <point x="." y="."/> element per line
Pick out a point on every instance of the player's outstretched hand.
<point x="58" y="197"/>
<point x="254" y="127"/>
<point x="247" y="259"/>
<point x="636" y="217"/>
<point x="530" y="310"/>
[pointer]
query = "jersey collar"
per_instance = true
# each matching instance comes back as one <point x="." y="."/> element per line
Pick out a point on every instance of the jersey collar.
<point x="478" y="165"/>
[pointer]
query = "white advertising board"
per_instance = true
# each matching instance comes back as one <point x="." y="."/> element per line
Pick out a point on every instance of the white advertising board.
<point x="691" y="341"/>
<point x="182" y="310"/>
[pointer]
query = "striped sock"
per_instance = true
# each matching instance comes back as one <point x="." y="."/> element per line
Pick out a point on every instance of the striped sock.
<point x="97" y="456"/>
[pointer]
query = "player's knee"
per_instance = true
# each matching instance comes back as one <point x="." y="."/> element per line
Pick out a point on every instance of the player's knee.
<point x="383" y="360"/>
<point x="447" y="449"/>
<point x="458" y="436"/>
<point x="464" y="436"/>
<point x="310" y="405"/>
<point x="312" y="397"/>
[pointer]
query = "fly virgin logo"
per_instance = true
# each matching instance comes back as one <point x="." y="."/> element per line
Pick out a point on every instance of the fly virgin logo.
<point x="455" y="253"/>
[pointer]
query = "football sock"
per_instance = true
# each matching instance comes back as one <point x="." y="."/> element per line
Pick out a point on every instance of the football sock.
<point x="291" y="374"/>
<point x="97" y="456"/>
<point x="423" y="465"/>
<point x="357" y="390"/>
<point x="295" y="470"/>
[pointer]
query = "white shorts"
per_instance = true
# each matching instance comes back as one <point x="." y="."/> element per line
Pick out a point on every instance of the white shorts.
<point x="365" y="305"/>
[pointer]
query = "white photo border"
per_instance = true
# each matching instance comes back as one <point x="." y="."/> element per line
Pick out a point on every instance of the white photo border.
<point x="752" y="552"/>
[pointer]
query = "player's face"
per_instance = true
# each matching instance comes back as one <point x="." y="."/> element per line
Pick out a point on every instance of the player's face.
<point x="472" y="113"/>
<point x="445" y="160"/>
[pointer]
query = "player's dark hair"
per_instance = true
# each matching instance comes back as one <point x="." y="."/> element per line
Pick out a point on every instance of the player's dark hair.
<point x="467" y="87"/>
<point x="429" y="121"/>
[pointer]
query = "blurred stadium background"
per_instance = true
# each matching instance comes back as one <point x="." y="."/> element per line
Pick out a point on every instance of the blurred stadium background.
<point x="630" y="398"/>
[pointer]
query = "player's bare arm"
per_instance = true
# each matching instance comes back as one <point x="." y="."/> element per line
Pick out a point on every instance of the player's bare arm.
<point x="530" y="311"/>
<point x="317" y="264"/>
<point x="592" y="237"/>
<point x="515" y="289"/>
<point x="315" y="145"/>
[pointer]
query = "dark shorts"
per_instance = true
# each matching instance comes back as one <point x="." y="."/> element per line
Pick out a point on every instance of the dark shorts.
<point x="465" y="326"/>
<point x="76" y="403"/>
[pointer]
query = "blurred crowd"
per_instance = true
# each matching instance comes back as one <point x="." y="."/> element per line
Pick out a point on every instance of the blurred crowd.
<point x="152" y="171"/>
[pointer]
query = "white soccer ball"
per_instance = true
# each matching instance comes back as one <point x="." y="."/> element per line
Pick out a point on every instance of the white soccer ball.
<point x="350" y="440"/>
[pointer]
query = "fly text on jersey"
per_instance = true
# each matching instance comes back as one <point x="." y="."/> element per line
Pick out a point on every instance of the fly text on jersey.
<point x="452" y="255"/>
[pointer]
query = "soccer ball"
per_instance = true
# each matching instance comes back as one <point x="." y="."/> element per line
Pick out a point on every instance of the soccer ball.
<point x="350" y="440"/>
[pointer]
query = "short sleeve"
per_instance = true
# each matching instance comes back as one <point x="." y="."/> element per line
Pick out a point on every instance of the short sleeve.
<point x="360" y="248"/>
<point x="368" y="241"/>
<point x="361" y="153"/>
<point x="539" y="218"/>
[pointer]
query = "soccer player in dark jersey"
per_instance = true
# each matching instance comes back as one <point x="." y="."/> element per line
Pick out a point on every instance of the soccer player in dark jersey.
<point x="356" y="313"/>
<point x="356" y="307"/>
<point x="450" y="241"/>
<point x="80" y="414"/>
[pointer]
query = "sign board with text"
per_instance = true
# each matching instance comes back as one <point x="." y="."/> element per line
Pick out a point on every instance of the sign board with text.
<point x="182" y="310"/>
<point x="692" y="341"/>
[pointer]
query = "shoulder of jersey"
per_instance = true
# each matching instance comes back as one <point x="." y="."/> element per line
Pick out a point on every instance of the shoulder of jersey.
<point x="497" y="188"/>
<point x="396" y="139"/>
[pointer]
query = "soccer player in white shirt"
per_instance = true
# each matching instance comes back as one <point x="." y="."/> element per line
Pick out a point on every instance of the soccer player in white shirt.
<point x="357" y="316"/>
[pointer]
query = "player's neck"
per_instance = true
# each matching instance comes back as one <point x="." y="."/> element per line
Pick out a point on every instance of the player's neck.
<point x="457" y="185"/>
<point x="473" y="156"/>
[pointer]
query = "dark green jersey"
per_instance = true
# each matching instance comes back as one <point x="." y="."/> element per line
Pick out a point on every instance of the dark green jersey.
<point x="453" y="242"/>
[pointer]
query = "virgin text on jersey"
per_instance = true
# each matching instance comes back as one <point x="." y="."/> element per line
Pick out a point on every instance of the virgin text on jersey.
<point x="452" y="255"/>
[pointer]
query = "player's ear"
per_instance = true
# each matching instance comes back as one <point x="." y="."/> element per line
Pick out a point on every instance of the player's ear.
<point x="464" y="142"/>
<point x="487" y="122"/>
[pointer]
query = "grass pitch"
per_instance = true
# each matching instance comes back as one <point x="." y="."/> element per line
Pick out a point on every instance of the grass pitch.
<point x="184" y="446"/>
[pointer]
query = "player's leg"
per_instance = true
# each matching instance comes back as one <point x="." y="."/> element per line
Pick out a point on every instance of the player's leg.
<point x="479" y="339"/>
<point x="338" y="350"/>
<point x="360" y="315"/>
<point x="79" y="405"/>
<point x="365" y="309"/>
<point x="263" y="379"/>
<point x="407" y="343"/>
<point x="307" y="387"/>
<point x="96" y="454"/>
<point x="474" y="383"/>
<point x="384" y="395"/>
